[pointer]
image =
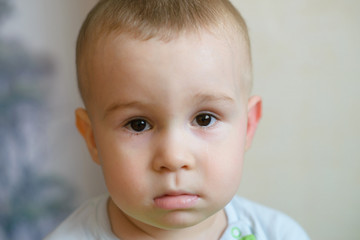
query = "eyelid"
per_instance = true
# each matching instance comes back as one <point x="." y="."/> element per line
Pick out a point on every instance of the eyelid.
<point x="216" y="116"/>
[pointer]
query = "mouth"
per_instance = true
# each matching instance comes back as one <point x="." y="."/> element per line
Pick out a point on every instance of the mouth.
<point x="176" y="200"/>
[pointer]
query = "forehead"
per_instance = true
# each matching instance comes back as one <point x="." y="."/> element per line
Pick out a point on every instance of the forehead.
<point x="199" y="49"/>
<point x="193" y="56"/>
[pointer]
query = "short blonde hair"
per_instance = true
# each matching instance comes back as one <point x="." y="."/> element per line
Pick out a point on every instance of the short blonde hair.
<point x="162" y="19"/>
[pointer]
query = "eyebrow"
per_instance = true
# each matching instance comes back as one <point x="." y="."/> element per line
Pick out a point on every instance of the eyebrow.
<point x="217" y="97"/>
<point x="117" y="105"/>
<point x="200" y="98"/>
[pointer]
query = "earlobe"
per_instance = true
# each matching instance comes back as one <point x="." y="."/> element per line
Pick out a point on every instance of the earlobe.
<point x="84" y="127"/>
<point x="254" y="115"/>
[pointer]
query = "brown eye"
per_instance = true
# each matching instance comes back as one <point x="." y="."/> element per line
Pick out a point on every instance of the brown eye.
<point x="138" y="125"/>
<point x="205" y="120"/>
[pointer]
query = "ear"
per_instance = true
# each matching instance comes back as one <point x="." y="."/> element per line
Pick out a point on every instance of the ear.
<point x="254" y="115"/>
<point x="84" y="127"/>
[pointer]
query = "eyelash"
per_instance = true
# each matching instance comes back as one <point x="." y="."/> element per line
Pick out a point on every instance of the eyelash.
<point x="136" y="122"/>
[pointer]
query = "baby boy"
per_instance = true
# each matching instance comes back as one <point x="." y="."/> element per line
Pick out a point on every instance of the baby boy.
<point x="168" y="116"/>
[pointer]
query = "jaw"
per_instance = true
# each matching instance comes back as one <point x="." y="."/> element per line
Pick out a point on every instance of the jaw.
<point x="126" y="227"/>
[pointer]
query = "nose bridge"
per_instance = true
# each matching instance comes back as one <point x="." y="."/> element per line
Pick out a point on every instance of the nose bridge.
<point x="172" y="150"/>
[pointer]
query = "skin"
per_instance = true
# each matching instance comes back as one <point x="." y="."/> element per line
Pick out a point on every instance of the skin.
<point x="171" y="179"/>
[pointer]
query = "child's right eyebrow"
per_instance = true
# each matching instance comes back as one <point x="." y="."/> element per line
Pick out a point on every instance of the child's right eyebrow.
<point x="117" y="106"/>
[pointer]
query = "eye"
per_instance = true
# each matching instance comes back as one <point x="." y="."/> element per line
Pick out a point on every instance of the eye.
<point x="138" y="125"/>
<point x="205" y="120"/>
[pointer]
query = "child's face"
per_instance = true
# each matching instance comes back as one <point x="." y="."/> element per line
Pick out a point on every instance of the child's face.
<point x="168" y="125"/>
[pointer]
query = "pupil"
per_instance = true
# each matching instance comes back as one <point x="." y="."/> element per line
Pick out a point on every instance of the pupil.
<point x="138" y="125"/>
<point x="203" y="120"/>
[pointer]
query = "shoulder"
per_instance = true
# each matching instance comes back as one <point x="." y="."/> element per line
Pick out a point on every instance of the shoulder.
<point x="89" y="221"/>
<point x="265" y="222"/>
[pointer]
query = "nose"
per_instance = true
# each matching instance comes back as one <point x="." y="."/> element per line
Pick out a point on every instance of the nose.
<point x="172" y="152"/>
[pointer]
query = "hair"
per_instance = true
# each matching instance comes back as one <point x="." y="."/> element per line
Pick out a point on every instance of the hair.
<point x="161" y="19"/>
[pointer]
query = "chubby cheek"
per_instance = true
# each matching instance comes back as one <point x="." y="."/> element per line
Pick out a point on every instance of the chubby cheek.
<point x="124" y="171"/>
<point x="225" y="163"/>
<point x="226" y="172"/>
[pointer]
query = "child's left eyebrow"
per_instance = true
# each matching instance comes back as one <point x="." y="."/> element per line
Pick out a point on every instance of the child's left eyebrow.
<point x="217" y="97"/>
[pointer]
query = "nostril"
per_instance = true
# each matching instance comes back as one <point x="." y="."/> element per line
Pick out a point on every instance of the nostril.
<point x="185" y="167"/>
<point x="171" y="166"/>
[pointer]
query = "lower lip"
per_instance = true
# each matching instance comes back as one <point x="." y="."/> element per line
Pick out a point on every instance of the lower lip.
<point x="171" y="202"/>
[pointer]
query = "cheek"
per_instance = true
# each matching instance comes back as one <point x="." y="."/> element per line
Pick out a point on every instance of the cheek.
<point x="226" y="159"/>
<point x="124" y="169"/>
<point x="127" y="183"/>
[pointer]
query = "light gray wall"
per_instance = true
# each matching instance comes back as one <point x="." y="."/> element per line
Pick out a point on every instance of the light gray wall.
<point x="305" y="158"/>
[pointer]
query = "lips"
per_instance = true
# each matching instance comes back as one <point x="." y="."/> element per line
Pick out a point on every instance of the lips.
<point x="173" y="201"/>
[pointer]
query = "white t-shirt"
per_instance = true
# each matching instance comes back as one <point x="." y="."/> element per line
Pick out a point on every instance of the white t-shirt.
<point x="246" y="221"/>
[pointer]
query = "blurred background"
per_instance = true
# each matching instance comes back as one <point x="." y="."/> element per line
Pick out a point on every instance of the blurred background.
<point x="305" y="157"/>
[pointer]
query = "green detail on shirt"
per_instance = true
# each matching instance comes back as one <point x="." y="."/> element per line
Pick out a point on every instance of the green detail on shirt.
<point x="236" y="233"/>
<point x="249" y="237"/>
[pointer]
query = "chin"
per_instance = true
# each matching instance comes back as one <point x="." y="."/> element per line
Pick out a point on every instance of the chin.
<point x="181" y="219"/>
